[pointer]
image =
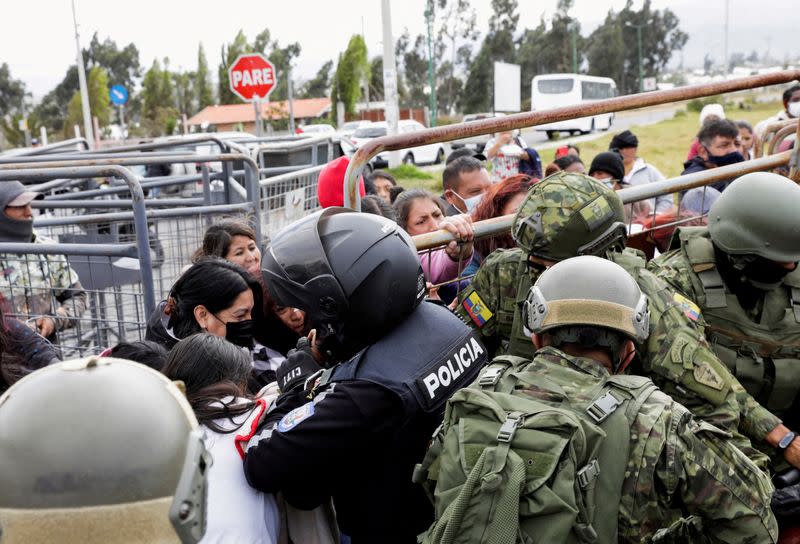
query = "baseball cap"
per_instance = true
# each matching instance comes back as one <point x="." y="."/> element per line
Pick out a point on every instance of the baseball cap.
<point x="13" y="193"/>
<point x="330" y="186"/>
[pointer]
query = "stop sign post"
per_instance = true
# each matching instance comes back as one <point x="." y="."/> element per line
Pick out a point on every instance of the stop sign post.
<point x="252" y="78"/>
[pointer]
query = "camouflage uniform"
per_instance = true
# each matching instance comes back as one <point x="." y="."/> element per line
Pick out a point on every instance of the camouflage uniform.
<point x="674" y="462"/>
<point x="773" y="338"/>
<point x="41" y="285"/>
<point x="676" y="355"/>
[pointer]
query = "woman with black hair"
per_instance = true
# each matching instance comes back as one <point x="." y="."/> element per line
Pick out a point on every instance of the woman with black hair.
<point x="235" y="241"/>
<point x="215" y="374"/>
<point x="221" y="298"/>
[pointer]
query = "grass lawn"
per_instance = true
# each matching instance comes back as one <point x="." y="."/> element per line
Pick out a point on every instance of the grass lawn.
<point x="664" y="144"/>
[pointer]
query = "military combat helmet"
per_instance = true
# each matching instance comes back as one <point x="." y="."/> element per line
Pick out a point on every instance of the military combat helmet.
<point x="100" y="450"/>
<point x="356" y="275"/>
<point x="569" y="214"/>
<point x="757" y="214"/>
<point x="581" y="299"/>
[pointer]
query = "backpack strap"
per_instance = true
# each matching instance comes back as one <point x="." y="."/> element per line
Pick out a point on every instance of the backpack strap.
<point x="792" y="281"/>
<point x="700" y="253"/>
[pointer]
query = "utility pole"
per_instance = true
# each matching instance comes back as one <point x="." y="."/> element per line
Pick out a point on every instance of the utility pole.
<point x="727" y="20"/>
<point x="289" y="96"/>
<point x="431" y="75"/>
<point x="391" y="111"/>
<point x="87" y="114"/>
<point x="573" y="30"/>
<point x="639" y="44"/>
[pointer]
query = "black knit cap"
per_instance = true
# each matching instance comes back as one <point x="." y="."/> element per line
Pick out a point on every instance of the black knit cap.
<point x="624" y="139"/>
<point x="610" y="162"/>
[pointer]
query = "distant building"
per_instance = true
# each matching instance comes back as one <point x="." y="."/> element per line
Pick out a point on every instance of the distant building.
<point x="230" y="117"/>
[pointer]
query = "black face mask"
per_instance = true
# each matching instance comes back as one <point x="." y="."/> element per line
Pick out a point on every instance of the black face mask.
<point x="240" y="333"/>
<point x="764" y="274"/>
<point x="538" y="268"/>
<point x="724" y="160"/>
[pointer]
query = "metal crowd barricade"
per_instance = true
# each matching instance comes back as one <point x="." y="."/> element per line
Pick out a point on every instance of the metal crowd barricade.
<point x="112" y="286"/>
<point x="117" y="279"/>
<point x="523" y="120"/>
<point x="648" y="222"/>
<point x="288" y="197"/>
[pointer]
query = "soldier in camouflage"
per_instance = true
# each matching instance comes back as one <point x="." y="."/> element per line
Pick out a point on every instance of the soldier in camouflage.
<point x="571" y="214"/>
<point x="586" y="314"/>
<point x="742" y="271"/>
<point x="40" y="289"/>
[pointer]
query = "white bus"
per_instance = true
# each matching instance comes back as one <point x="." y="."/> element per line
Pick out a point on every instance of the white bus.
<point x="559" y="90"/>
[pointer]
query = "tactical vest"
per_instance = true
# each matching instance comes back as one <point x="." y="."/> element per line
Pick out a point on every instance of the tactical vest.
<point x="764" y="357"/>
<point x="568" y="491"/>
<point x="519" y="343"/>
<point x="424" y="360"/>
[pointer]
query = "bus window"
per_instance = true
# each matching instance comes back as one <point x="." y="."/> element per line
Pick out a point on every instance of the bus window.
<point x="556" y="86"/>
<point x="596" y="91"/>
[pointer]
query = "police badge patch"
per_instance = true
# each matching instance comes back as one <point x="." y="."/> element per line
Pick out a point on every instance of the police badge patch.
<point x="295" y="417"/>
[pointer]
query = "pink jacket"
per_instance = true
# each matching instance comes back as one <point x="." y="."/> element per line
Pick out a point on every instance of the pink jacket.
<point x="438" y="267"/>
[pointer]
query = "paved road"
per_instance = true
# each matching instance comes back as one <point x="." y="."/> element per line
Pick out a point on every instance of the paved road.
<point x="622" y="121"/>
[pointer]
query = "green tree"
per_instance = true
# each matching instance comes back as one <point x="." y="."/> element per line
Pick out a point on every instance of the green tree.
<point x="661" y="37"/>
<point x="498" y="46"/>
<point x="12" y="104"/>
<point x="376" y="78"/>
<point x="122" y="67"/>
<point x="415" y="74"/>
<point x="202" y="83"/>
<point x="159" y="115"/>
<point x="458" y="26"/>
<point x="99" y="102"/>
<point x="606" y="50"/>
<point x="351" y="71"/>
<point x="185" y="96"/>
<point x="320" y="84"/>
<point x="281" y="58"/>
<point x="228" y="55"/>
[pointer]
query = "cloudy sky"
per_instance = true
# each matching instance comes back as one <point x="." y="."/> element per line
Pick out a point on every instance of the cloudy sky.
<point x="37" y="39"/>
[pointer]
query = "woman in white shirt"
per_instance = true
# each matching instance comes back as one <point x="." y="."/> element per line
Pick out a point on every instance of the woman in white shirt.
<point x="215" y="374"/>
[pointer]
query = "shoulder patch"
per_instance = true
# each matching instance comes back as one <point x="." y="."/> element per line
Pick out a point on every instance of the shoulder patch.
<point x="295" y="417"/>
<point x="706" y="375"/>
<point x="477" y="309"/>
<point x="689" y="308"/>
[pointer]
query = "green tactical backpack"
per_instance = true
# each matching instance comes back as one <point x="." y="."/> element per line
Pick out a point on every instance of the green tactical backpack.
<point x="515" y="461"/>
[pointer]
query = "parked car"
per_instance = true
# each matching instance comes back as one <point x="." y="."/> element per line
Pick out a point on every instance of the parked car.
<point x="317" y="130"/>
<point x="347" y="129"/>
<point x="424" y="154"/>
<point x="476" y="142"/>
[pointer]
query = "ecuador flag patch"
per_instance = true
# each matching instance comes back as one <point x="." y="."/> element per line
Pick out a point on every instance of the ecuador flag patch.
<point x="689" y="308"/>
<point x="477" y="309"/>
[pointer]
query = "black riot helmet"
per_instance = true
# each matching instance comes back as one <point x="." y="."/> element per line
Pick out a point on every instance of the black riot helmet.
<point x="355" y="275"/>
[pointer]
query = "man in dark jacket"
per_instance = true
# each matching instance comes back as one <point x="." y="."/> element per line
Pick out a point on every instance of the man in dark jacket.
<point x="717" y="148"/>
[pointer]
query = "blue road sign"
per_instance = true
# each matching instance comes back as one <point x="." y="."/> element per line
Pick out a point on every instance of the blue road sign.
<point x="118" y="94"/>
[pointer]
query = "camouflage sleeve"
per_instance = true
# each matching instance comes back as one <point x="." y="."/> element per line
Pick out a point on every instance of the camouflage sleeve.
<point x="73" y="302"/>
<point x="671" y="267"/>
<point x="757" y="421"/>
<point x="478" y="303"/>
<point x="713" y="480"/>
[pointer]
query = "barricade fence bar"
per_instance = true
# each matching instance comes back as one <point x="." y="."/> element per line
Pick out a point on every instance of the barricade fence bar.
<point x="139" y="213"/>
<point x="92" y="293"/>
<point x="528" y="119"/>
<point x="288" y="197"/>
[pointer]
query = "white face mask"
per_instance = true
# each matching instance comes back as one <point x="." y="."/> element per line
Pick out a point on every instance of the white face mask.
<point x="794" y="109"/>
<point x="470" y="202"/>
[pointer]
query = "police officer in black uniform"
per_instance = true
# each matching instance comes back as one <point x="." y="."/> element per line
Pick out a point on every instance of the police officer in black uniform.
<point x="355" y="430"/>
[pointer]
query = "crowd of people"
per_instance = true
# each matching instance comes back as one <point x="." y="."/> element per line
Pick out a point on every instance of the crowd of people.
<point x="549" y="384"/>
